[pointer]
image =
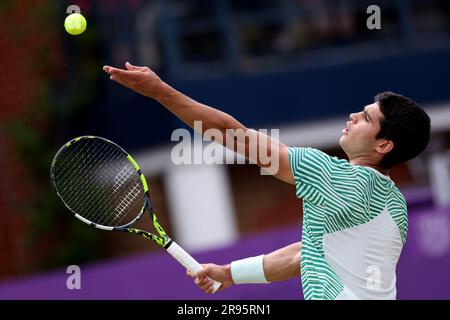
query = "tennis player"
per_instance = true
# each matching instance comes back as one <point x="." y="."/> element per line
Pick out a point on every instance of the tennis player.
<point x="354" y="217"/>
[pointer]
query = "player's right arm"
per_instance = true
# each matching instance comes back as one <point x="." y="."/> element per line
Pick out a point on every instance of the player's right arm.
<point x="280" y="265"/>
<point x="146" y="82"/>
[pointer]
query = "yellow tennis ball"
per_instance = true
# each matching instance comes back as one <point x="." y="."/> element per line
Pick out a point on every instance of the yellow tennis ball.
<point x="75" y="24"/>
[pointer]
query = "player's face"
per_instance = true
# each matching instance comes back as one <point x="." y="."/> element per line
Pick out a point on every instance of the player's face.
<point x="358" y="138"/>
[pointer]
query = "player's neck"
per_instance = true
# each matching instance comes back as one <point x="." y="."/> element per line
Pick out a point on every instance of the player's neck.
<point x="368" y="162"/>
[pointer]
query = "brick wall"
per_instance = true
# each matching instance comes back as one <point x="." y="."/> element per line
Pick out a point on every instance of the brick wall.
<point x="23" y="38"/>
<point x="262" y="202"/>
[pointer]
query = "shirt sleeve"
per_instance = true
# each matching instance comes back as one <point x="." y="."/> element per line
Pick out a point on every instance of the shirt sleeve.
<point x="317" y="175"/>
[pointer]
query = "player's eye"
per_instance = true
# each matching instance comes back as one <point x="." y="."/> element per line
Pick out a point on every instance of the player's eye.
<point x="366" y="117"/>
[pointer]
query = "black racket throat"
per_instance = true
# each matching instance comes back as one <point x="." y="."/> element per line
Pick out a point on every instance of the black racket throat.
<point x="162" y="239"/>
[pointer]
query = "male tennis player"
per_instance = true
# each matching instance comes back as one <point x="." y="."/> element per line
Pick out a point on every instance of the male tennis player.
<point x="354" y="217"/>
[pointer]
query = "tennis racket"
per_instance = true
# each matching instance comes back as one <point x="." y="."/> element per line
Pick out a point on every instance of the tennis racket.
<point x="103" y="186"/>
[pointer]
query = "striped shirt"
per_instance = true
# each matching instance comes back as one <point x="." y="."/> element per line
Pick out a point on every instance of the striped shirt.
<point x="354" y="227"/>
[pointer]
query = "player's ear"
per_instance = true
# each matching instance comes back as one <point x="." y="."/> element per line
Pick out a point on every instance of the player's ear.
<point x="384" y="146"/>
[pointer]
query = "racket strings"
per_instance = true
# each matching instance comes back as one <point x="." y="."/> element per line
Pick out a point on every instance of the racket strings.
<point x="121" y="178"/>
<point x="81" y="179"/>
<point x="126" y="201"/>
<point x="95" y="179"/>
<point x="68" y="162"/>
<point x="99" y="215"/>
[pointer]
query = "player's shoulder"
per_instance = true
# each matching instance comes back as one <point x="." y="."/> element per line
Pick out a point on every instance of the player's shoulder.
<point x="398" y="196"/>
<point x="309" y="153"/>
<point x="372" y="175"/>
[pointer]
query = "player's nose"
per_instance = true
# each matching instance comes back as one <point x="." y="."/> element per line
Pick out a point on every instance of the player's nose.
<point x="351" y="117"/>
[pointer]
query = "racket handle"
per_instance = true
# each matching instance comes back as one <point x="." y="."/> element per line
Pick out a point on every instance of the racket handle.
<point x="188" y="262"/>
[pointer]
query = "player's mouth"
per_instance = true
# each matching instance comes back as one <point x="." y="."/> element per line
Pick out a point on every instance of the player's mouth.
<point x="345" y="130"/>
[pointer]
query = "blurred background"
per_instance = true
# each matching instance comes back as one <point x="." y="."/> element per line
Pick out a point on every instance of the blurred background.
<point x="300" y="66"/>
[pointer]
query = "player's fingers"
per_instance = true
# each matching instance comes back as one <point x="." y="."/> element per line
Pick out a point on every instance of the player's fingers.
<point x="200" y="281"/>
<point x="122" y="79"/>
<point x="109" y="69"/>
<point x="190" y="274"/>
<point x="125" y="75"/>
<point x="118" y="80"/>
<point x="203" y="272"/>
<point x="205" y="283"/>
<point x="129" y="66"/>
<point x="207" y="287"/>
<point x="210" y="290"/>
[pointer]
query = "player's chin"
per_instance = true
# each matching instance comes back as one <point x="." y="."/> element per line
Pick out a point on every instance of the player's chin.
<point x="345" y="143"/>
<point x="342" y="141"/>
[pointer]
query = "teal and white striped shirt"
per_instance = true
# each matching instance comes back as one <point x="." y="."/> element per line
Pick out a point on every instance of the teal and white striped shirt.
<point x="354" y="227"/>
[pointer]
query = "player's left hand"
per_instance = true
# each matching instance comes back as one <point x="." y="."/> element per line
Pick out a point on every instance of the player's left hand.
<point x="140" y="79"/>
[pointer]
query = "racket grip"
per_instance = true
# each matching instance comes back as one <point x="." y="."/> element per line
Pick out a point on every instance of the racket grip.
<point x="188" y="261"/>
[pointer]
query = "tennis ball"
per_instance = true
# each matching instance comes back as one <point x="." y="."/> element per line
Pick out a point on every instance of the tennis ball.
<point x="75" y="24"/>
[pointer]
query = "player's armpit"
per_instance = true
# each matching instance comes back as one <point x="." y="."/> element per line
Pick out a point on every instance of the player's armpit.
<point x="264" y="150"/>
<point x="284" y="170"/>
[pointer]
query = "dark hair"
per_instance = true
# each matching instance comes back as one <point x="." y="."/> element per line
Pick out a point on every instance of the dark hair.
<point x="406" y="124"/>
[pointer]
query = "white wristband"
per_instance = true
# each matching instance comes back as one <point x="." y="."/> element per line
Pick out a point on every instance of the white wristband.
<point x="248" y="270"/>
